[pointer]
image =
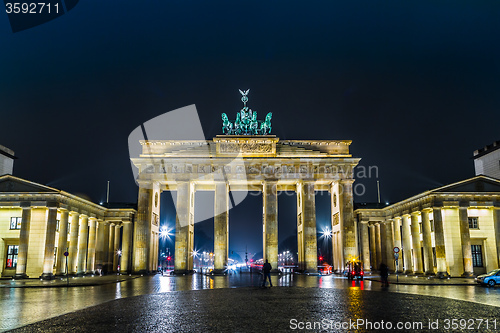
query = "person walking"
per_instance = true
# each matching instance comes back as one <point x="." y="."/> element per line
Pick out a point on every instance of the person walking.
<point x="384" y="274"/>
<point x="266" y="269"/>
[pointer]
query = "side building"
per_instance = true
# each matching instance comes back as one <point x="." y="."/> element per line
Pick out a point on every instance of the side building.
<point x="487" y="160"/>
<point x="453" y="230"/>
<point x="39" y="224"/>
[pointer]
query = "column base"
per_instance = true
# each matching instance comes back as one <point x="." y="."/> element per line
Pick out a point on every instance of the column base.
<point x="21" y="276"/>
<point x="47" y="276"/>
<point x="468" y="274"/>
<point x="443" y="275"/>
<point x="430" y="273"/>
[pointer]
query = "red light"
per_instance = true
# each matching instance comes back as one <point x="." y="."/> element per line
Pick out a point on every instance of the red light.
<point x="361" y="273"/>
<point x="320" y="258"/>
<point x="168" y="258"/>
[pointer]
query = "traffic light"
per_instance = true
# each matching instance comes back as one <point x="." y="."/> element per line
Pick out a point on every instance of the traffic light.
<point x="168" y="258"/>
<point x="320" y="258"/>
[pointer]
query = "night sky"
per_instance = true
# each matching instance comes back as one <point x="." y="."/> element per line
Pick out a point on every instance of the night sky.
<point x="413" y="85"/>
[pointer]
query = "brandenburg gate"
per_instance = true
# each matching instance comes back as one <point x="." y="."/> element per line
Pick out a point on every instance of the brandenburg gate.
<point x="245" y="158"/>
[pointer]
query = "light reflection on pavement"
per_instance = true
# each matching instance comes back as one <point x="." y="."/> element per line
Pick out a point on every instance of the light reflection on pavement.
<point x="21" y="306"/>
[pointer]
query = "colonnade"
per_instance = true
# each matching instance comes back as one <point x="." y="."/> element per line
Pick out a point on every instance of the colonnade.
<point x="306" y="224"/>
<point x="91" y="243"/>
<point x="420" y="236"/>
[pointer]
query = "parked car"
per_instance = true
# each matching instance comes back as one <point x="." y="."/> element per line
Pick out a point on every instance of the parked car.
<point x="489" y="279"/>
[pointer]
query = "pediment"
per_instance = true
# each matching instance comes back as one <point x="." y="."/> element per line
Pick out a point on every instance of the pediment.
<point x="476" y="184"/>
<point x="17" y="185"/>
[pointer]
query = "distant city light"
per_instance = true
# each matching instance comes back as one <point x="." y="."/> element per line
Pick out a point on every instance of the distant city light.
<point x="166" y="232"/>
<point x="326" y="233"/>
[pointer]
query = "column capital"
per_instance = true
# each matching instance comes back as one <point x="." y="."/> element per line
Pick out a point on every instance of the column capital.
<point x="396" y="218"/>
<point x="349" y="181"/>
<point x="427" y="210"/>
<point x="417" y="212"/>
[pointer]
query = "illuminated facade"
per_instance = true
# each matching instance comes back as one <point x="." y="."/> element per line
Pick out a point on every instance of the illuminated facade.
<point x="38" y="224"/>
<point x="453" y="230"/>
<point x="229" y="165"/>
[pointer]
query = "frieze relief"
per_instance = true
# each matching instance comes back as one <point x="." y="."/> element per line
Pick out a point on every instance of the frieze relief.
<point x="335" y="219"/>
<point x="246" y="147"/>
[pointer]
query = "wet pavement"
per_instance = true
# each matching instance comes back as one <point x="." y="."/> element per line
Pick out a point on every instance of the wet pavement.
<point x="176" y="297"/>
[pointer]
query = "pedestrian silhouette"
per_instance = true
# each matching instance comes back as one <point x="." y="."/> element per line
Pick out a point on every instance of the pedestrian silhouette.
<point x="266" y="269"/>
<point x="384" y="273"/>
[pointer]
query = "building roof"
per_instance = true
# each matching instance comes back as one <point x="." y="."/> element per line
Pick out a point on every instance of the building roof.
<point x="7" y="152"/>
<point x="15" y="189"/>
<point x="480" y="184"/>
<point x="486" y="150"/>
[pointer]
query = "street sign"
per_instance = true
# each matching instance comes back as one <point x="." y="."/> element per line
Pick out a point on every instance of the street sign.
<point x="396" y="249"/>
<point x="66" y="254"/>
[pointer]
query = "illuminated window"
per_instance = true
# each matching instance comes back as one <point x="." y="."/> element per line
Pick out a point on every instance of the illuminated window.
<point x="12" y="251"/>
<point x="57" y="225"/>
<point x="55" y="256"/>
<point x="477" y="255"/>
<point x="473" y="223"/>
<point x="15" y="223"/>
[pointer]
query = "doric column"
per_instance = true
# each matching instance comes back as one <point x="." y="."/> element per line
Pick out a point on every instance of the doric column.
<point x="22" y="256"/>
<point x="417" y="249"/>
<point x="50" y="242"/>
<point x="102" y="245"/>
<point x="373" y="247"/>
<point x="62" y="243"/>
<point x="184" y="228"/>
<point x="465" y="237"/>
<point x="300" y="229"/>
<point x="73" y="242"/>
<point x="221" y="226"/>
<point x="142" y="230"/>
<point x="116" y="247"/>
<point x="91" y="249"/>
<point x="270" y="222"/>
<point x="408" y="265"/>
<point x="388" y="245"/>
<point x="127" y="228"/>
<point x="378" y="244"/>
<point x="496" y="224"/>
<point x="427" y="242"/>
<point x="442" y="269"/>
<point x="348" y="224"/>
<point x="397" y="240"/>
<point x="82" y="244"/>
<point x="365" y="245"/>
<point x="309" y="226"/>
<point x="111" y="247"/>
